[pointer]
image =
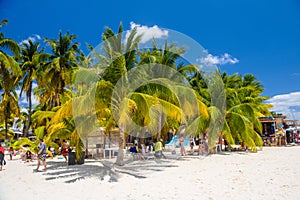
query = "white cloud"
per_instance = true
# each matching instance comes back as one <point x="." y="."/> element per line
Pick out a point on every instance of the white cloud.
<point x="295" y="74"/>
<point x="287" y="104"/>
<point x="37" y="36"/>
<point x="210" y="60"/>
<point x="147" y="32"/>
<point x="33" y="38"/>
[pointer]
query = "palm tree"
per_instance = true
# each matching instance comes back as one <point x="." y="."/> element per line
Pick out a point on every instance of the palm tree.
<point x="161" y="59"/>
<point x="9" y="77"/>
<point x="56" y="74"/>
<point x="120" y="58"/>
<point x="32" y="57"/>
<point x="211" y="96"/>
<point x="244" y="106"/>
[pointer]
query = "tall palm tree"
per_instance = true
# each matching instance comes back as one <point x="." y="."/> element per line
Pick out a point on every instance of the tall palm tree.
<point x="9" y="77"/>
<point x="161" y="60"/>
<point x="120" y="57"/>
<point x="31" y="58"/>
<point x="56" y="74"/>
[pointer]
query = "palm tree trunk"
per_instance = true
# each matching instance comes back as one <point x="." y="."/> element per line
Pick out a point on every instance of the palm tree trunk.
<point x="142" y="137"/>
<point x="86" y="147"/>
<point x="6" y="122"/>
<point x="159" y="125"/>
<point x="109" y="139"/>
<point x="56" y="94"/>
<point x="120" y="157"/>
<point x="26" y="130"/>
<point x="6" y="128"/>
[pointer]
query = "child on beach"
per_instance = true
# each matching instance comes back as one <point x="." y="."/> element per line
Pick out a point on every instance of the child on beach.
<point x="28" y="156"/>
<point x="11" y="152"/>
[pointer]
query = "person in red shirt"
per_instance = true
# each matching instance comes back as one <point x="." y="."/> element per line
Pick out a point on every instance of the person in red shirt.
<point x="1" y="156"/>
<point x="64" y="150"/>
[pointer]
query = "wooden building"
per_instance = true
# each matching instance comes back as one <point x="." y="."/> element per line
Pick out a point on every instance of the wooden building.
<point x="274" y="130"/>
<point x="102" y="144"/>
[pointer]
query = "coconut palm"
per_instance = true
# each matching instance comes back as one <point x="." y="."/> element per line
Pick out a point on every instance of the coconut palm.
<point x="31" y="58"/>
<point x="162" y="60"/>
<point x="120" y="58"/>
<point x="168" y="56"/>
<point x="210" y="92"/>
<point x="9" y="76"/>
<point x="56" y="75"/>
<point x="244" y="106"/>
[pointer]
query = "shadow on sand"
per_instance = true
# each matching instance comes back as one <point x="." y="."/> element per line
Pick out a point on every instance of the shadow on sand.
<point x="103" y="169"/>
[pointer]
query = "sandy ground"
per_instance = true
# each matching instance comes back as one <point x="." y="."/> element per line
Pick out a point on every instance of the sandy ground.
<point x="273" y="173"/>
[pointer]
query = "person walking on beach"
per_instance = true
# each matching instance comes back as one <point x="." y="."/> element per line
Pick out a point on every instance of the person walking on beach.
<point x="182" y="150"/>
<point x="1" y="156"/>
<point x="42" y="155"/>
<point x="64" y="149"/>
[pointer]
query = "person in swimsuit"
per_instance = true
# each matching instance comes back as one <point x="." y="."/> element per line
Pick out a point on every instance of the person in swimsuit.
<point x="182" y="149"/>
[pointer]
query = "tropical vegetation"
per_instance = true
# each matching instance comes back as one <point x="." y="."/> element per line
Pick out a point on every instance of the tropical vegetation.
<point x="78" y="93"/>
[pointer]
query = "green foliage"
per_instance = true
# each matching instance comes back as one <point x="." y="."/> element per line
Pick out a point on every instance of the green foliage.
<point x="76" y="92"/>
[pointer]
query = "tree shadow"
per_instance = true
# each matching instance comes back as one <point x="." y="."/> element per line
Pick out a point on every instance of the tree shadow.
<point x="141" y="168"/>
<point x="73" y="173"/>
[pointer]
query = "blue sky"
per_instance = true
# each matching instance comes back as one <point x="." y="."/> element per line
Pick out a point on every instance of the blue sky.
<point x="249" y="36"/>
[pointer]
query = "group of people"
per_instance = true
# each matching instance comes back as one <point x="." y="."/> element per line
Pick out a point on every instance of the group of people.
<point x="41" y="154"/>
<point x="142" y="151"/>
<point x="202" y="146"/>
<point x="2" y="151"/>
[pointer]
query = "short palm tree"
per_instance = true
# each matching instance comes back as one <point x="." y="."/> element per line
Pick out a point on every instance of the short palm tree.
<point x="244" y="105"/>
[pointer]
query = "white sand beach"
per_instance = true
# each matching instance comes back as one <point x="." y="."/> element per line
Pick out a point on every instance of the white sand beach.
<point x="273" y="173"/>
